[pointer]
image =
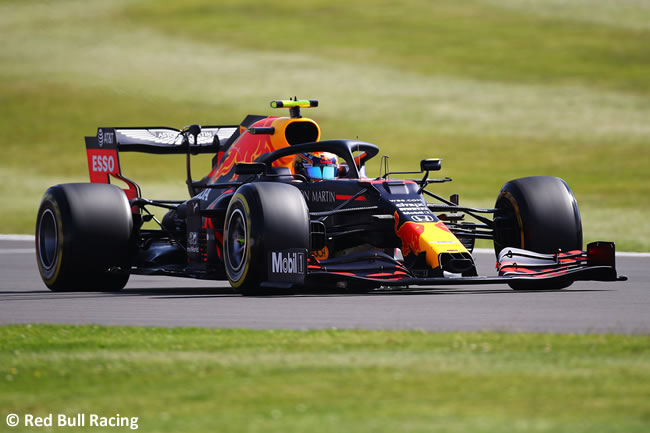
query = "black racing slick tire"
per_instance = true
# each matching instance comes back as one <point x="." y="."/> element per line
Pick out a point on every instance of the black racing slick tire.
<point x="262" y="217"/>
<point x="540" y="214"/>
<point x="83" y="233"/>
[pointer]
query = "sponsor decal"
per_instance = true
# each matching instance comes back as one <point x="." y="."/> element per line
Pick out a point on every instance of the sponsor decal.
<point x="203" y="195"/>
<point x="287" y="262"/>
<point x="165" y="136"/>
<point x="192" y="242"/>
<point x="322" y="254"/>
<point x="422" y="218"/>
<point x="103" y="163"/>
<point x="193" y="221"/>
<point x="321" y="196"/>
<point x="414" y="208"/>
<point x="105" y="138"/>
<point x="172" y="136"/>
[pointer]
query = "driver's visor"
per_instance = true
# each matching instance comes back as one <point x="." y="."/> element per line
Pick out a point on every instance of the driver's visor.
<point x="325" y="172"/>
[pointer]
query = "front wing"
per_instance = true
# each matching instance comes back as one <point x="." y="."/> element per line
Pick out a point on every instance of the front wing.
<point x="514" y="265"/>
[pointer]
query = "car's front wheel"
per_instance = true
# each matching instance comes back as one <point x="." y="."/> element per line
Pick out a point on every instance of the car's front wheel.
<point x="266" y="221"/>
<point x="539" y="214"/>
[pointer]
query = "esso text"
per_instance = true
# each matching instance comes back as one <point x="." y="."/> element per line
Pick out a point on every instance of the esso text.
<point x="103" y="163"/>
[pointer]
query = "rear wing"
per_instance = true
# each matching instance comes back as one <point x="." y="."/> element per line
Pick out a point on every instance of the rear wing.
<point x="103" y="149"/>
<point x="162" y="140"/>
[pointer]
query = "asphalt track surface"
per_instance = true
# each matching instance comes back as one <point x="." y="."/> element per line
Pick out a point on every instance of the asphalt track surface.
<point x="585" y="307"/>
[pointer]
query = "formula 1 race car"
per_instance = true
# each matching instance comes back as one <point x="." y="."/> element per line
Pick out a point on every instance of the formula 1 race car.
<point x="281" y="210"/>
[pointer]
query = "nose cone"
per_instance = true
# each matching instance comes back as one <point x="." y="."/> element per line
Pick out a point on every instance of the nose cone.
<point x="434" y="239"/>
<point x="457" y="263"/>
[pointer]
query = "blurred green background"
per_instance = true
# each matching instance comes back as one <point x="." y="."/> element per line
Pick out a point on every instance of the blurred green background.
<point x="497" y="88"/>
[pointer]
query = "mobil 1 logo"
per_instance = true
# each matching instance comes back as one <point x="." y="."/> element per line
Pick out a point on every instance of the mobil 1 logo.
<point x="287" y="265"/>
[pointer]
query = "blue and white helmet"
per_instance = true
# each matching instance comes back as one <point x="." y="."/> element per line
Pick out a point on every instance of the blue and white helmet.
<point x="316" y="165"/>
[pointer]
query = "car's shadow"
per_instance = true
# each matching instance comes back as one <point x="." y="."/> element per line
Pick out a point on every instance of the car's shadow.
<point x="220" y="292"/>
<point x="152" y="292"/>
<point x="425" y="292"/>
<point x="170" y="293"/>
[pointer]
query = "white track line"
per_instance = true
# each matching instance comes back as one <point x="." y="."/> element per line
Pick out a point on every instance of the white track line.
<point x="16" y="238"/>
<point x="476" y="250"/>
<point x="17" y="251"/>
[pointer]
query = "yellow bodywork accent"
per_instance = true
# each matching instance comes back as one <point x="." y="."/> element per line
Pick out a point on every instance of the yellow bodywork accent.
<point x="303" y="103"/>
<point x="249" y="147"/>
<point x="279" y="141"/>
<point x="431" y="238"/>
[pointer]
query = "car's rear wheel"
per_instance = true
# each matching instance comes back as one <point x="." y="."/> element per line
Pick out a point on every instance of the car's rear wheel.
<point x="83" y="232"/>
<point x="262" y="218"/>
<point x="237" y="246"/>
<point x="539" y="214"/>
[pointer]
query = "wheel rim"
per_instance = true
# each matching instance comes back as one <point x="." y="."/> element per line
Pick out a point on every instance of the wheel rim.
<point x="237" y="240"/>
<point x="48" y="239"/>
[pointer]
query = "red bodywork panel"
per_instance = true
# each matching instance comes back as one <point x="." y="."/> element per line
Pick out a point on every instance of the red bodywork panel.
<point x="104" y="162"/>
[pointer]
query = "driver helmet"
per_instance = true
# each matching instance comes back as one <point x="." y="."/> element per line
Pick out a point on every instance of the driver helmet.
<point x="316" y="165"/>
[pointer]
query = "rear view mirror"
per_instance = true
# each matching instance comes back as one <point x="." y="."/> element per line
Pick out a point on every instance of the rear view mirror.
<point x="432" y="164"/>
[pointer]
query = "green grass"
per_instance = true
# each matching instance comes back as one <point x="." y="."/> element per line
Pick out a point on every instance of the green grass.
<point x="498" y="88"/>
<point x="328" y="381"/>
<point x="485" y="40"/>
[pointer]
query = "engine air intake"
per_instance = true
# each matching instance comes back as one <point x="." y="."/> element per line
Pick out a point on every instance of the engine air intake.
<point x="301" y="132"/>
